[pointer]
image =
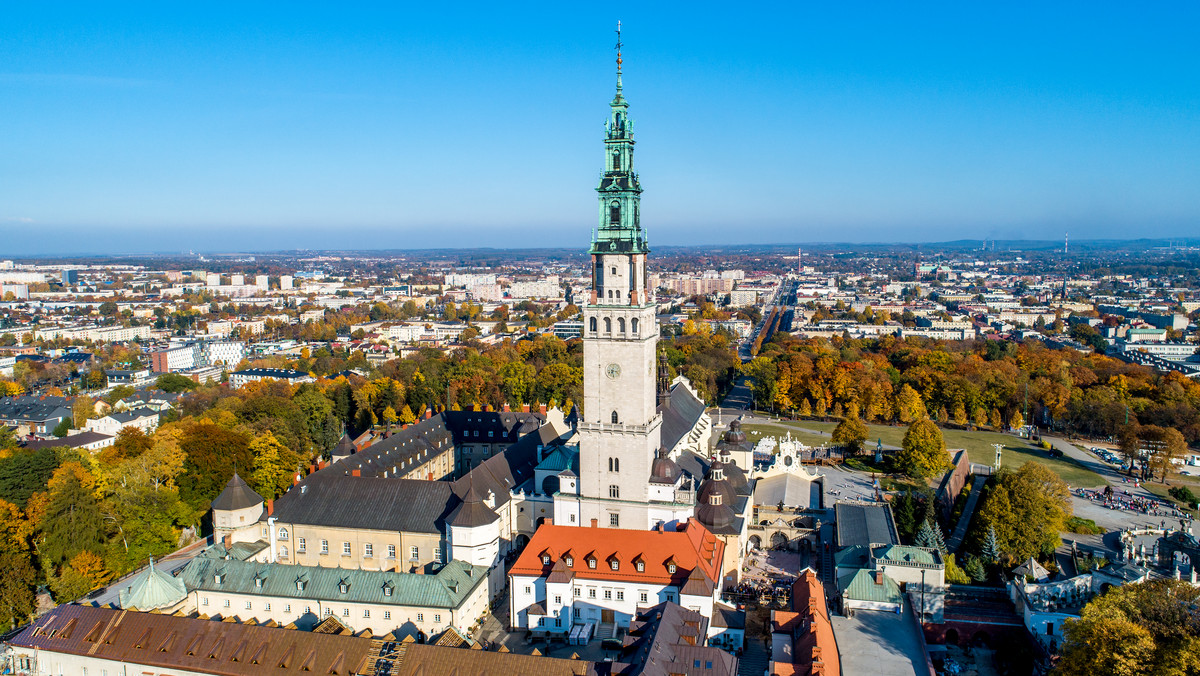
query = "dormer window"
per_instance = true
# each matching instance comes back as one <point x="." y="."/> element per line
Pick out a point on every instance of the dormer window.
<point x="641" y="566"/>
<point x="259" y="581"/>
<point x="570" y="561"/>
<point x="614" y="564"/>
<point x="671" y="568"/>
<point x="301" y="583"/>
<point x="591" y="562"/>
<point x="387" y="588"/>
<point x="545" y="559"/>
<point x="343" y="586"/>
<point x="219" y="577"/>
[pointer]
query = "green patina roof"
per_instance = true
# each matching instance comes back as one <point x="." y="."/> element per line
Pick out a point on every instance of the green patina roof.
<point x="158" y="589"/>
<point x="447" y="589"/>
<point x="242" y="551"/>
<point x="562" y="457"/>
<point x="904" y="553"/>
<point x="859" y="585"/>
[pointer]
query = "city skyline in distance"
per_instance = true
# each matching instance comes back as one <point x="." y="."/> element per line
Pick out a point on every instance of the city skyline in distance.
<point x="172" y="132"/>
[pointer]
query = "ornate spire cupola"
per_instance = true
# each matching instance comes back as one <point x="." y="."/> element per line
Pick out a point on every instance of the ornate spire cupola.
<point x="619" y="247"/>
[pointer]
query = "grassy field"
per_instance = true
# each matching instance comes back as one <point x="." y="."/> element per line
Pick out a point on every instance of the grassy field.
<point x="978" y="445"/>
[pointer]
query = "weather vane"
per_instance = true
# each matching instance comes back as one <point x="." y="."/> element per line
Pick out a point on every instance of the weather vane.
<point x="619" y="45"/>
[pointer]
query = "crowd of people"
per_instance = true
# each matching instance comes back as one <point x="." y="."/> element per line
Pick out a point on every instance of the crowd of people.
<point x="1124" y="500"/>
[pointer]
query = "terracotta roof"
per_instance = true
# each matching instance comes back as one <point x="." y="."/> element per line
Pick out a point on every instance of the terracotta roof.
<point x="432" y="660"/>
<point x="814" y="650"/>
<point x="692" y="546"/>
<point x="168" y="642"/>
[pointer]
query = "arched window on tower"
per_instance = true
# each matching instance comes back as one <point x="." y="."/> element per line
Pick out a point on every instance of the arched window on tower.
<point x="616" y="161"/>
<point x="614" y="418"/>
<point x="607" y="325"/>
<point x="621" y="324"/>
<point x="592" y="324"/>
<point x="614" y="464"/>
<point x="633" y="325"/>
<point x="614" y="213"/>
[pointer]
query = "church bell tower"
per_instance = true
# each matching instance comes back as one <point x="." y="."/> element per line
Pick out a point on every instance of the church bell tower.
<point x="619" y="433"/>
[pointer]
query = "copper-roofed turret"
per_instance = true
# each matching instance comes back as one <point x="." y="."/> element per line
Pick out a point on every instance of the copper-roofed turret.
<point x="472" y="512"/>
<point x="664" y="470"/>
<point x="734" y="435"/>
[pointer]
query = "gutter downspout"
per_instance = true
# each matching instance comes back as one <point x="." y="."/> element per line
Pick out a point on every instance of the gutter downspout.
<point x="271" y="535"/>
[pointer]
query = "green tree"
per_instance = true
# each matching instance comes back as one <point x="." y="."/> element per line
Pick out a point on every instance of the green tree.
<point x="923" y="452"/>
<point x="72" y="522"/>
<point x="930" y="536"/>
<point x="1146" y="628"/>
<point x="25" y="472"/>
<point x="973" y="567"/>
<point x="16" y="587"/>
<point x="62" y="429"/>
<point x="174" y="383"/>
<point x="991" y="546"/>
<point x="850" y="433"/>
<point x="904" y="509"/>
<point x="517" y="379"/>
<point x="212" y="452"/>
<point x="1027" y="509"/>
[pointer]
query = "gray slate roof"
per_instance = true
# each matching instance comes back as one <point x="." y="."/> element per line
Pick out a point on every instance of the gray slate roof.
<point x="680" y="413"/>
<point x="447" y="589"/>
<point x="864" y="524"/>
<point x="237" y="495"/>
<point x="332" y="498"/>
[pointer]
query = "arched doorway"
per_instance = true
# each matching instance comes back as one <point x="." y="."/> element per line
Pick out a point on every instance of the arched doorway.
<point x="754" y="543"/>
<point x="951" y="637"/>
<point x="779" y="541"/>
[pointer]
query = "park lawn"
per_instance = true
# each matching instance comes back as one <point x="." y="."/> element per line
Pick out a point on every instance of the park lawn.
<point x="756" y="431"/>
<point x="978" y="445"/>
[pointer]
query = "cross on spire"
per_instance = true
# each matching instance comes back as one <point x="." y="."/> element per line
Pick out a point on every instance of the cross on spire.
<point x="618" y="47"/>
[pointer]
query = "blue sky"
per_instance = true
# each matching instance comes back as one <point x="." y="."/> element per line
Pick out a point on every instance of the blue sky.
<point x="163" y="127"/>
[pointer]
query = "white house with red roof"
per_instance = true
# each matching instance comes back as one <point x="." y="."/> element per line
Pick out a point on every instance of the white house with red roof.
<point x="569" y="575"/>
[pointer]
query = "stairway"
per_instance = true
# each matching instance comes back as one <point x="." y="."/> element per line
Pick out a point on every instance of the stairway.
<point x="754" y="660"/>
<point x="605" y="630"/>
<point x="964" y="519"/>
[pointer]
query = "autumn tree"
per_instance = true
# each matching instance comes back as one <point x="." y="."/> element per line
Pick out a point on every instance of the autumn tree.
<point x="850" y="433"/>
<point x="923" y="453"/>
<point x="72" y="521"/>
<point x="1146" y="628"/>
<point x="1027" y="508"/>
<point x="909" y="406"/>
<point x="273" y="466"/>
<point x="212" y="452"/>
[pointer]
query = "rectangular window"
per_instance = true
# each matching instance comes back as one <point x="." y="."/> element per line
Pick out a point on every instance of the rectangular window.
<point x="324" y="546"/>
<point x="366" y="613"/>
<point x="345" y="612"/>
<point x="437" y="554"/>
<point x="608" y="594"/>
<point x="642" y="597"/>
<point x="300" y="546"/>
<point x="578" y="591"/>
<point x="287" y="608"/>
<point x="413" y="553"/>
<point x="345" y="549"/>
<point x="620" y="594"/>
<point x="557" y="600"/>
<point x="437" y="618"/>
<point x="226" y="603"/>
<point x="267" y="606"/>
<point x="528" y="590"/>
<point x="391" y="551"/>
<point x="204" y="601"/>
<point x="387" y="614"/>
<point x="591" y="593"/>
<point x="572" y="519"/>
<point x="368" y="550"/>
<point x="420" y="617"/>
<point x="328" y="612"/>
<point x="614" y="519"/>
<point x="614" y="491"/>
<point x="248" y="605"/>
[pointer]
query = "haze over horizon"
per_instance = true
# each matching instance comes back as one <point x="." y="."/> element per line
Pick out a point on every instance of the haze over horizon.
<point x="158" y="128"/>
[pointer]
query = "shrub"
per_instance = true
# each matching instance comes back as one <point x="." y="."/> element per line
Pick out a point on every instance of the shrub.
<point x="1184" y="495"/>
<point x="1083" y="526"/>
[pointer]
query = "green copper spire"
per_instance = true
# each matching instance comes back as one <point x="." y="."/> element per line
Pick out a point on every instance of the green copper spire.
<point x="619" y="190"/>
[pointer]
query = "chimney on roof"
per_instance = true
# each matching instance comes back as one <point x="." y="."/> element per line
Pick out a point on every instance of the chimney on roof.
<point x="321" y="463"/>
<point x="507" y="408"/>
<point x="428" y="413"/>
<point x="227" y="540"/>
<point x="296" y="479"/>
<point x="525" y="408"/>
<point x="878" y="577"/>
<point x="542" y="409"/>
<point x="595" y="523"/>
<point x="356" y="472"/>
<point x="659" y="527"/>
<point x="270" y="507"/>
<point x="816" y="653"/>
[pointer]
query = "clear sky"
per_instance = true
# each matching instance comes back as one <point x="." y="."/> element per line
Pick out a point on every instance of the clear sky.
<point x="247" y="126"/>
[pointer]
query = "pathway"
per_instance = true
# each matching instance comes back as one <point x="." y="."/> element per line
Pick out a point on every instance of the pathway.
<point x="964" y="519"/>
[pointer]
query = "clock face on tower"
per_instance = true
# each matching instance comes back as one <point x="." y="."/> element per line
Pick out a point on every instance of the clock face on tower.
<point x="613" y="371"/>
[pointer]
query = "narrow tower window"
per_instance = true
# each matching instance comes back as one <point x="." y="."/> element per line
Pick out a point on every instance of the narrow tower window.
<point x="633" y="325"/>
<point x="614" y="417"/>
<point x="614" y="214"/>
<point x="592" y="324"/>
<point x="607" y="325"/>
<point x="621" y="324"/>
<point x="616" y="161"/>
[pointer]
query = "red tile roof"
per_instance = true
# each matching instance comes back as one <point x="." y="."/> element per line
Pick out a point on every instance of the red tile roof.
<point x="692" y="546"/>
<point x="814" y="651"/>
